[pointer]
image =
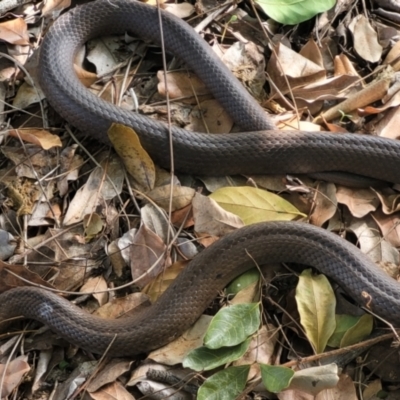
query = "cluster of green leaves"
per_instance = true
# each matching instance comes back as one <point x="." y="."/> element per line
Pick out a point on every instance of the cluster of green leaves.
<point x="229" y="335"/>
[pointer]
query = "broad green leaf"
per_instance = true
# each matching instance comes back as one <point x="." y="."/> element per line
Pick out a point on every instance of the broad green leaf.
<point x="204" y="359"/>
<point x="232" y="325"/>
<point x="316" y="303"/>
<point x="359" y="331"/>
<point x="255" y="205"/>
<point x="135" y="158"/>
<point x="224" y="385"/>
<point x="276" y="378"/>
<point x="292" y="12"/>
<point x="343" y="324"/>
<point x="242" y="281"/>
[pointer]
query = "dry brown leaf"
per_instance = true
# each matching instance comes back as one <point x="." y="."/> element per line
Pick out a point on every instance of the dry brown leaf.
<point x="96" y="284"/>
<point x="329" y="89"/>
<point x="298" y="70"/>
<point x="86" y="78"/>
<point x="388" y="125"/>
<point x="123" y="306"/>
<point x="371" y="242"/>
<point x="311" y="51"/>
<point x="183" y="85"/>
<point x="345" y="390"/>
<point x="359" y="201"/>
<point x="212" y="219"/>
<point x="12" y="374"/>
<point x="183" y="216"/>
<point x="27" y="95"/>
<point x="366" y="42"/>
<point x="14" y="31"/>
<point x="146" y="248"/>
<point x="343" y="66"/>
<point x="104" y="183"/>
<point x="181" y="196"/>
<point x="109" y="373"/>
<point x="393" y="57"/>
<point x="55" y="6"/>
<point x="40" y="137"/>
<point x="174" y="352"/>
<point x="389" y="226"/>
<point x="324" y="204"/>
<point x="390" y="202"/>
<point x="10" y="280"/>
<point x="114" y="390"/>
<point x="209" y="116"/>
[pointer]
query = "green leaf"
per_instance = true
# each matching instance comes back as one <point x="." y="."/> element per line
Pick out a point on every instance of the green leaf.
<point x="232" y="325"/>
<point x="243" y="281"/>
<point x="276" y="378"/>
<point x="204" y="359"/>
<point x="224" y="385"/>
<point x="292" y="12"/>
<point x="359" y="331"/>
<point x="316" y="303"/>
<point x="343" y="323"/>
<point x="255" y="205"/>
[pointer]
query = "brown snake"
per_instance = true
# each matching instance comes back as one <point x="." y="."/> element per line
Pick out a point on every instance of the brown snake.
<point x="247" y="153"/>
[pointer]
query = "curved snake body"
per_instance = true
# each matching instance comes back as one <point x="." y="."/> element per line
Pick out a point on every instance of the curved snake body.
<point x="248" y="153"/>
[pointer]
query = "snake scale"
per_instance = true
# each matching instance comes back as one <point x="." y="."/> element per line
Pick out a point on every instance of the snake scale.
<point x="260" y="149"/>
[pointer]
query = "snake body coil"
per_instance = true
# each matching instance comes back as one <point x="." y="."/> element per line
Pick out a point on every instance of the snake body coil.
<point x="247" y="153"/>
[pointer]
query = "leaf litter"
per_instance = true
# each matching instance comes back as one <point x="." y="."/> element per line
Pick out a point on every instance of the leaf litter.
<point x="69" y="207"/>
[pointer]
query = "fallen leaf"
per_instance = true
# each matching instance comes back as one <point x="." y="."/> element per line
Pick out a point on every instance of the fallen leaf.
<point x="55" y="6"/>
<point x="111" y="391"/>
<point x="14" y="31"/>
<point x="366" y="42"/>
<point x="181" y="196"/>
<point x="39" y="137"/>
<point x="183" y="85"/>
<point x="324" y="203"/>
<point x="96" y="284"/>
<point x="135" y="158"/>
<point x="175" y="352"/>
<point x="316" y="303"/>
<point x="147" y="256"/>
<point x="212" y="219"/>
<point x="359" y="201"/>
<point x="12" y="374"/>
<point x="389" y="226"/>
<point x="255" y="205"/>
<point x="209" y="116"/>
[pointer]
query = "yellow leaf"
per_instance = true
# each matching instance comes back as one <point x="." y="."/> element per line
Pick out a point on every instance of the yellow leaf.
<point x="39" y="137"/>
<point x="255" y="205"/>
<point x="137" y="162"/>
<point x="316" y="303"/>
